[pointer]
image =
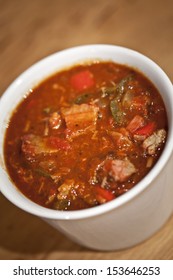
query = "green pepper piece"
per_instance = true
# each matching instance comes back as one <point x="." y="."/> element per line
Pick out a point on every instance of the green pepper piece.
<point x="62" y="204"/>
<point x="41" y="172"/>
<point x="116" y="111"/>
<point x="120" y="89"/>
<point x="84" y="98"/>
<point x="117" y="90"/>
<point x="106" y="91"/>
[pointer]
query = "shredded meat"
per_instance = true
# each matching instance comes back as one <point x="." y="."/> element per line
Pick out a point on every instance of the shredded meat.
<point x="122" y="140"/>
<point x="135" y="123"/>
<point x="152" y="143"/>
<point x="120" y="170"/>
<point x="80" y="117"/>
<point x="33" y="145"/>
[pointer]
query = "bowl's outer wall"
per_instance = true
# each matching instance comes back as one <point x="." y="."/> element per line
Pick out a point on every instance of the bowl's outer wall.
<point x="129" y="224"/>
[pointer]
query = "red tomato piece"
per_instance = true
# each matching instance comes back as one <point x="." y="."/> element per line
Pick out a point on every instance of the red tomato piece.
<point x="103" y="195"/>
<point x="146" y="130"/>
<point x="82" y="80"/>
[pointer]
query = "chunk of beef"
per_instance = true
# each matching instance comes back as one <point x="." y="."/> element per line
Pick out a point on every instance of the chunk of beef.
<point x="153" y="142"/>
<point x="135" y="123"/>
<point x="80" y="117"/>
<point x="33" y="145"/>
<point x="122" y="140"/>
<point x="120" y="170"/>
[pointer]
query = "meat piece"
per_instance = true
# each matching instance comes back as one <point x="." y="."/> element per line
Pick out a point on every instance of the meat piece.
<point x="122" y="140"/>
<point x="135" y="123"/>
<point x="120" y="170"/>
<point x="33" y="145"/>
<point x="80" y="117"/>
<point x="152" y="143"/>
<point x="139" y="138"/>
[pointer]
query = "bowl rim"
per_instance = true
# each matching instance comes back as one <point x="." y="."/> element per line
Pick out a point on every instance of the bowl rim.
<point x="33" y="208"/>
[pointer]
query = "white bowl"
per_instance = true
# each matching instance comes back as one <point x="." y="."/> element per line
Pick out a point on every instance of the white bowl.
<point x="132" y="217"/>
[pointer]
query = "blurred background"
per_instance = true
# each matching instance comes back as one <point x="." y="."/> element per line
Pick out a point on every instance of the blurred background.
<point x="31" y="30"/>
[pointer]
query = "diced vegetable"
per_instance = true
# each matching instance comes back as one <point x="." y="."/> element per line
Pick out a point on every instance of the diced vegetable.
<point x="115" y="104"/>
<point x="42" y="172"/>
<point x="103" y="195"/>
<point x="84" y="98"/>
<point x="103" y="102"/>
<point x="122" y="84"/>
<point x="146" y="130"/>
<point x="82" y="80"/>
<point x="106" y="91"/>
<point x="127" y="99"/>
<point x="117" y="113"/>
<point x="118" y="90"/>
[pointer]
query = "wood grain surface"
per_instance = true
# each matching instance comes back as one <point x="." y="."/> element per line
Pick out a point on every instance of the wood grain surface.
<point x="31" y="30"/>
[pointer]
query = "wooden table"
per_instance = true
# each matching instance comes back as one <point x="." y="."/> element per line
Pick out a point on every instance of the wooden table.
<point x="30" y="30"/>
